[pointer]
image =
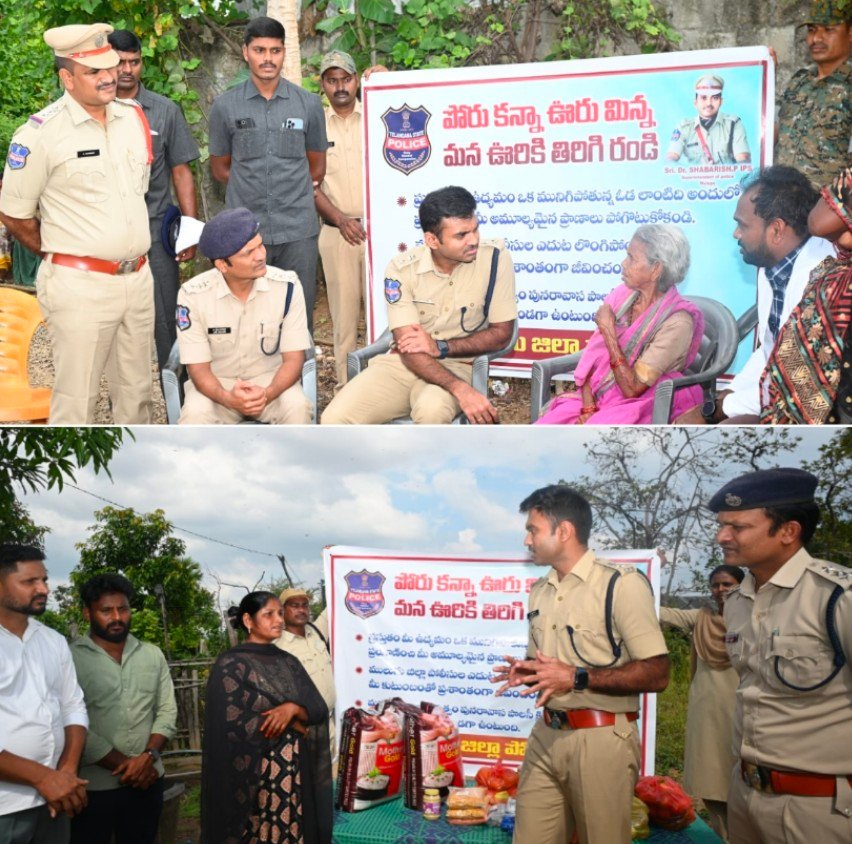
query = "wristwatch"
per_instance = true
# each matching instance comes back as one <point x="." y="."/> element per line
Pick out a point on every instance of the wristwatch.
<point x="581" y="679"/>
<point x="443" y="348"/>
<point x="152" y="752"/>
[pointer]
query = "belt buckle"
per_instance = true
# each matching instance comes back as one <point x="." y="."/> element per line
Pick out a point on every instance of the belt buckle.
<point x="128" y="266"/>
<point x="755" y="777"/>
<point x="557" y="719"/>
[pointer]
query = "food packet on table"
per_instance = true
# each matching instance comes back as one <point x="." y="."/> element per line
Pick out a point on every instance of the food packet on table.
<point x="467" y="806"/>
<point x="669" y="806"/>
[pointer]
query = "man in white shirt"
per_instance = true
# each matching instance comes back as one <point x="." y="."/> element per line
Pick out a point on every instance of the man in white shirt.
<point x="43" y="717"/>
<point x="308" y="642"/>
<point x="772" y="233"/>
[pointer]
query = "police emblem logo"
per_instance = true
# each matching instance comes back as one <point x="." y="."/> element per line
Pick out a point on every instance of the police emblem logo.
<point x="393" y="291"/>
<point x="182" y="317"/>
<point x="17" y="157"/>
<point x="100" y="40"/>
<point x="407" y="147"/>
<point x="733" y="500"/>
<point x="676" y="135"/>
<point x="364" y="596"/>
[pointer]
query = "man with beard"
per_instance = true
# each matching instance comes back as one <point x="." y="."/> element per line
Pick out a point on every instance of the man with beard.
<point x="74" y="193"/>
<point x="267" y="144"/>
<point x="173" y="147"/>
<point x="42" y="714"/>
<point x="132" y="714"/>
<point x="711" y="137"/>
<point x="772" y="234"/>
<point x="449" y="300"/>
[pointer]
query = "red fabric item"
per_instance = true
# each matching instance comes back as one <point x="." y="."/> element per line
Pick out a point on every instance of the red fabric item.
<point x="669" y="806"/>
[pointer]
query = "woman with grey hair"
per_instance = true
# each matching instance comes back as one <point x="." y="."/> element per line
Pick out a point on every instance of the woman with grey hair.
<point x="646" y="331"/>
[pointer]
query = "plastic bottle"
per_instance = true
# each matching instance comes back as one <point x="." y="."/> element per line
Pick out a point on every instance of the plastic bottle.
<point x="431" y="804"/>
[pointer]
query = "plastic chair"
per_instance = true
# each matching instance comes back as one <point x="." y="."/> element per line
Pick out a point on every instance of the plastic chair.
<point x="174" y="375"/>
<point x="747" y="323"/>
<point x="20" y="316"/>
<point x="357" y="360"/>
<point x="715" y="354"/>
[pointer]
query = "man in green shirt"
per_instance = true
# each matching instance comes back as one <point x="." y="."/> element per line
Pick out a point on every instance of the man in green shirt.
<point x="132" y="714"/>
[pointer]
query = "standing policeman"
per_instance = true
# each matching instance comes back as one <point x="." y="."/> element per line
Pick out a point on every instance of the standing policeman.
<point x="594" y="646"/>
<point x="74" y="192"/>
<point x="789" y="635"/>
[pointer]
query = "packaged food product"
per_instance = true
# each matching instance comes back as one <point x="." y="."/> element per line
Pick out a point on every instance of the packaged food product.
<point x="371" y="757"/>
<point x="639" y="829"/>
<point x="432" y="752"/>
<point x="467" y="806"/>
<point x="498" y="779"/>
<point x="431" y="804"/>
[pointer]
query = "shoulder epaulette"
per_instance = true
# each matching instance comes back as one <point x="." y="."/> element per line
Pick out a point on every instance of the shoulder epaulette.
<point x="609" y="564"/>
<point x="406" y="258"/>
<point x="276" y="274"/>
<point x="198" y="284"/>
<point x="839" y="575"/>
<point x="494" y="242"/>
<point x="47" y="113"/>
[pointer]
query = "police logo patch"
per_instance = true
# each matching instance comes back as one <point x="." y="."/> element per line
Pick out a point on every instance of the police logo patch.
<point x="676" y="135"/>
<point x="733" y="500"/>
<point x="182" y="317"/>
<point x="17" y="157"/>
<point x="393" y="290"/>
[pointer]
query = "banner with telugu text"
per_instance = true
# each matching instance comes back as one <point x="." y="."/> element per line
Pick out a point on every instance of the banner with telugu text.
<point x="427" y="627"/>
<point x="566" y="159"/>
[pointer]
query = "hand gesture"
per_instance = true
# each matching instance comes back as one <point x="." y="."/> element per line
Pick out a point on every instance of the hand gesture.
<point x="475" y="406"/>
<point x="137" y="771"/>
<point x="548" y="677"/>
<point x="63" y="791"/>
<point x="187" y="255"/>
<point x="248" y="399"/>
<point x="510" y="674"/>
<point x="278" y="719"/>
<point x="352" y="231"/>
<point x="413" y="340"/>
<point x="605" y="319"/>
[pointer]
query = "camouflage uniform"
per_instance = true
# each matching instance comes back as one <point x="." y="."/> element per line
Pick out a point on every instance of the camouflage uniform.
<point x="815" y="124"/>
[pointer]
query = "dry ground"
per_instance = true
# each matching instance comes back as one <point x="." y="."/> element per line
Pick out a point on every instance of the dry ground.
<point x="513" y="407"/>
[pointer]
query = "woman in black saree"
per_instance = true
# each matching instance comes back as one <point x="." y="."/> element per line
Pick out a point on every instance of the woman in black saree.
<point x="266" y="769"/>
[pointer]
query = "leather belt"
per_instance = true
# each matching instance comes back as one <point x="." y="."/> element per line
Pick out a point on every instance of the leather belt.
<point x="98" y="265"/>
<point x="580" y="719"/>
<point x="798" y="783"/>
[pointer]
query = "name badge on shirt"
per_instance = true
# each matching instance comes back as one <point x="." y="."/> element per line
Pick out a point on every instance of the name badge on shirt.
<point x="330" y="144"/>
<point x="533" y="614"/>
<point x="88" y="153"/>
<point x="223" y="330"/>
<point x="245" y="122"/>
<point x="295" y="123"/>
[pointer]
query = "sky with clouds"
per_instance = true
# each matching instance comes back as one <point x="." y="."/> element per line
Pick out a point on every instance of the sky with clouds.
<point x="293" y="491"/>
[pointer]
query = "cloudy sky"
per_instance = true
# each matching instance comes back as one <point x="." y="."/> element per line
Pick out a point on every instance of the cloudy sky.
<point x="292" y="491"/>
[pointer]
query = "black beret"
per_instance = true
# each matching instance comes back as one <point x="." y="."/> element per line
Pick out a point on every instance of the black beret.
<point x="227" y="233"/>
<point x="767" y="488"/>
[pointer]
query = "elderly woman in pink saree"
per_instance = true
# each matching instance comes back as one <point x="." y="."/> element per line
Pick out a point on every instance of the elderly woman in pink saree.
<point x="655" y="335"/>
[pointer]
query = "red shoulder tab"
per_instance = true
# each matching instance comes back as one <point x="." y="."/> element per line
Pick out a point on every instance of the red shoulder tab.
<point x="146" y="128"/>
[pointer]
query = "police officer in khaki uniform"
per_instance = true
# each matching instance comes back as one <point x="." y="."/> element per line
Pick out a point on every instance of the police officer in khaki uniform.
<point x="308" y="642"/>
<point x="594" y="646"/>
<point x="436" y="296"/>
<point x="711" y="137"/>
<point x="242" y="331"/>
<point x="74" y="192"/>
<point x="340" y="202"/>
<point x="789" y="636"/>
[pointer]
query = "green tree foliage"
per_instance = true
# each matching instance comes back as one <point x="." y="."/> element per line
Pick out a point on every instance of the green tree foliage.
<point x="833" y="539"/>
<point x="38" y="458"/>
<point x="143" y="548"/>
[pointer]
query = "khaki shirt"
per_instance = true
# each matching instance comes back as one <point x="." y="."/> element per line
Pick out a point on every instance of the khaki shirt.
<point x="344" y="162"/>
<point x="782" y="627"/>
<point x="127" y="702"/>
<point x="215" y="327"/>
<point x="725" y="139"/>
<point x="579" y="600"/>
<point x="86" y="181"/>
<point x="311" y="651"/>
<point x="417" y="292"/>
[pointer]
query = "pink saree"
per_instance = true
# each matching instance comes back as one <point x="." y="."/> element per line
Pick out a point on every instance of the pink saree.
<point x="614" y="408"/>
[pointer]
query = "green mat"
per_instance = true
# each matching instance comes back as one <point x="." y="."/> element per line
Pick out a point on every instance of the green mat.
<point x="392" y="823"/>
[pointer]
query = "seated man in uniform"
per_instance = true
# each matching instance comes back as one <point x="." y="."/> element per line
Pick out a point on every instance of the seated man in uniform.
<point x="242" y="331"/>
<point x="711" y="137"/>
<point x="443" y="311"/>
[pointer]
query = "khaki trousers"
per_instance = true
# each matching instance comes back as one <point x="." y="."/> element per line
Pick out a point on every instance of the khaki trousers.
<point x="758" y="818"/>
<point x="91" y="316"/>
<point x="579" y="780"/>
<point x="343" y="265"/>
<point x="292" y="407"/>
<point x="386" y="390"/>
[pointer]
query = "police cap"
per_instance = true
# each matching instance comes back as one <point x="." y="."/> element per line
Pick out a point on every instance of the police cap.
<point x="84" y="43"/>
<point x="287" y="594"/>
<point x="227" y="233"/>
<point x="710" y="84"/>
<point x="766" y="488"/>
